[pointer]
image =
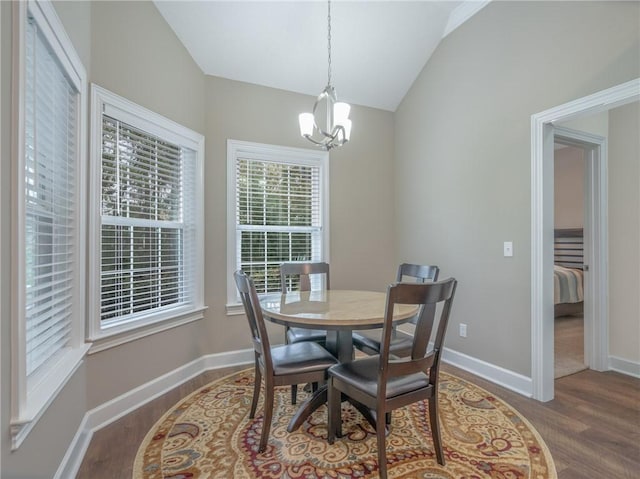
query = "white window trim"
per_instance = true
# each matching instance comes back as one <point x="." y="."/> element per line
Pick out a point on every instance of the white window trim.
<point x="29" y="404"/>
<point x="102" y="101"/>
<point x="281" y="154"/>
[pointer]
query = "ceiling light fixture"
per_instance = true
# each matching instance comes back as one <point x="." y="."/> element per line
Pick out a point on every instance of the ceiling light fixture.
<point x="338" y="125"/>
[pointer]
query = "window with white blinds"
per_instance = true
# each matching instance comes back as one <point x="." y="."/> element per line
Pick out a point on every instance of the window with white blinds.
<point x="150" y="231"/>
<point x="50" y="175"/>
<point x="278" y="209"/>
<point x="48" y="233"/>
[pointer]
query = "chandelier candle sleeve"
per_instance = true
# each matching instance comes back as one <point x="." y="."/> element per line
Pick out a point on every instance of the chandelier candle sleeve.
<point x="306" y="124"/>
<point x="341" y="117"/>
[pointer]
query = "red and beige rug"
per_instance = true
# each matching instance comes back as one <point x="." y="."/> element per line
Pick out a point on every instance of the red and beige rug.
<point x="209" y="435"/>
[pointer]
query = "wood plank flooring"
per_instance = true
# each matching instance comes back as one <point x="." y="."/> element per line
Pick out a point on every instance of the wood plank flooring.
<point x="592" y="427"/>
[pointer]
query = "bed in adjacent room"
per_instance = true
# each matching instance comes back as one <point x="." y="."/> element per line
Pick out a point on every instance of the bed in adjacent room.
<point x="568" y="277"/>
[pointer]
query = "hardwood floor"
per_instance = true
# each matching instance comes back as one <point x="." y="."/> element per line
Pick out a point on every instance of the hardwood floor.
<point x="592" y="427"/>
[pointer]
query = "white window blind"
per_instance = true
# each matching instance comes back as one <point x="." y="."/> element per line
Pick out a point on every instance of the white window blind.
<point x="278" y="217"/>
<point x="51" y="123"/>
<point x="148" y="229"/>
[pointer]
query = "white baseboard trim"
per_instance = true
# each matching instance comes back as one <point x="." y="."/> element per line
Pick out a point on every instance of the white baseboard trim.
<point x="120" y="406"/>
<point x="496" y="374"/>
<point x="624" y="366"/>
<point x="75" y="453"/>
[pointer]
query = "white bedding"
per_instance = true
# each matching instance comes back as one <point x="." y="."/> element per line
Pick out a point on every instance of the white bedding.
<point x="567" y="285"/>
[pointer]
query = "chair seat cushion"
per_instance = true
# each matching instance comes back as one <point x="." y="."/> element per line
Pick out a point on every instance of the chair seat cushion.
<point x="363" y="374"/>
<point x="296" y="335"/>
<point x="300" y="358"/>
<point x="370" y="340"/>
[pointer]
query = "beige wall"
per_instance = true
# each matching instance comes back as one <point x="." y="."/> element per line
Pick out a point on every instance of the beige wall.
<point x="624" y="233"/>
<point x="463" y="156"/>
<point x="568" y="186"/>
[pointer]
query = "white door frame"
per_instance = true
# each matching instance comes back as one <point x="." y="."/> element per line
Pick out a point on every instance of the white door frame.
<point x="542" y="135"/>
<point x="596" y="279"/>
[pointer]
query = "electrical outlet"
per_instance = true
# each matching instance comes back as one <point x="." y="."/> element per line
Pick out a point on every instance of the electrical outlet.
<point x="463" y="330"/>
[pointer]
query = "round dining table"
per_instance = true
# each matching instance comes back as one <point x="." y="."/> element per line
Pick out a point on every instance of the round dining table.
<point x="339" y="312"/>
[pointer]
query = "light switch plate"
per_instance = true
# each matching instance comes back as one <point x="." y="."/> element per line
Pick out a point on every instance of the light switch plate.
<point x="508" y="248"/>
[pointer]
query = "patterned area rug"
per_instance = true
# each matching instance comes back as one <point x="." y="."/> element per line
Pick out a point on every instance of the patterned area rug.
<point x="209" y="435"/>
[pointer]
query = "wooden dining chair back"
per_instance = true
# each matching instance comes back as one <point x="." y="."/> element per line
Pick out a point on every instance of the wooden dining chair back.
<point x="417" y="273"/>
<point x="297" y="276"/>
<point x="281" y="365"/>
<point x="401" y="342"/>
<point x="301" y="276"/>
<point x="383" y="383"/>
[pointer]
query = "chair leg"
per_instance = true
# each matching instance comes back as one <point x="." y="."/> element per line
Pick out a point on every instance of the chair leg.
<point x="435" y="429"/>
<point x="268" y="413"/>
<point x="334" y="422"/>
<point x="387" y="418"/>
<point x="256" y="391"/>
<point x="294" y="393"/>
<point x="382" y="448"/>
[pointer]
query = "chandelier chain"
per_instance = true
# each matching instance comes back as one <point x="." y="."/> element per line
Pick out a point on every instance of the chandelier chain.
<point x="329" y="42"/>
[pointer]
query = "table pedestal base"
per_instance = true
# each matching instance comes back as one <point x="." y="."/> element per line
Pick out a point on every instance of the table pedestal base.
<point x="319" y="398"/>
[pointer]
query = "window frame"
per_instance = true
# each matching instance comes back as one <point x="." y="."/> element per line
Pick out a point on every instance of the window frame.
<point x="103" y="337"/>
<point x="278" y="154"/>
<point x="31" y="396"/>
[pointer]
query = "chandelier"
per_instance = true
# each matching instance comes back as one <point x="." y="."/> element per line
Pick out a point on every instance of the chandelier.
<point x="336" y="114"/>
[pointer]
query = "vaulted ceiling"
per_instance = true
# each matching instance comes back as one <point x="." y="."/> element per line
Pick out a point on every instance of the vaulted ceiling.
<point x="378" y="48"/>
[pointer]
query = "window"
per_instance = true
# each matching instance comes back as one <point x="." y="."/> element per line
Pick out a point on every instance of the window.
<point x="148" y="203"/>
<point x="277" y="211"/>
<point x="48" y="237"/>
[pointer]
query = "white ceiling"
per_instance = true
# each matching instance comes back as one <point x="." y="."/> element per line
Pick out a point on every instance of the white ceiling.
<point x="378" y="48"/>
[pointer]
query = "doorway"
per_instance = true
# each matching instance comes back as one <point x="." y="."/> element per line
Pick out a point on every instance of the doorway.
<point x="576" y="162"/>
<point x="542" y="321"/>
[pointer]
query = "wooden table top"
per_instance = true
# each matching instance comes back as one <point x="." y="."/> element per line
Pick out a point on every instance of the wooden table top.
<point x="332" y="309"/>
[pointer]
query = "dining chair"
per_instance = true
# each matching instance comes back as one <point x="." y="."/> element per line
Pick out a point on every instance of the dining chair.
<point x="304" y="362"/>
<point x="383" y="383"/>
<point x="368" y="341"/>
<point x="299" y="277"/>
